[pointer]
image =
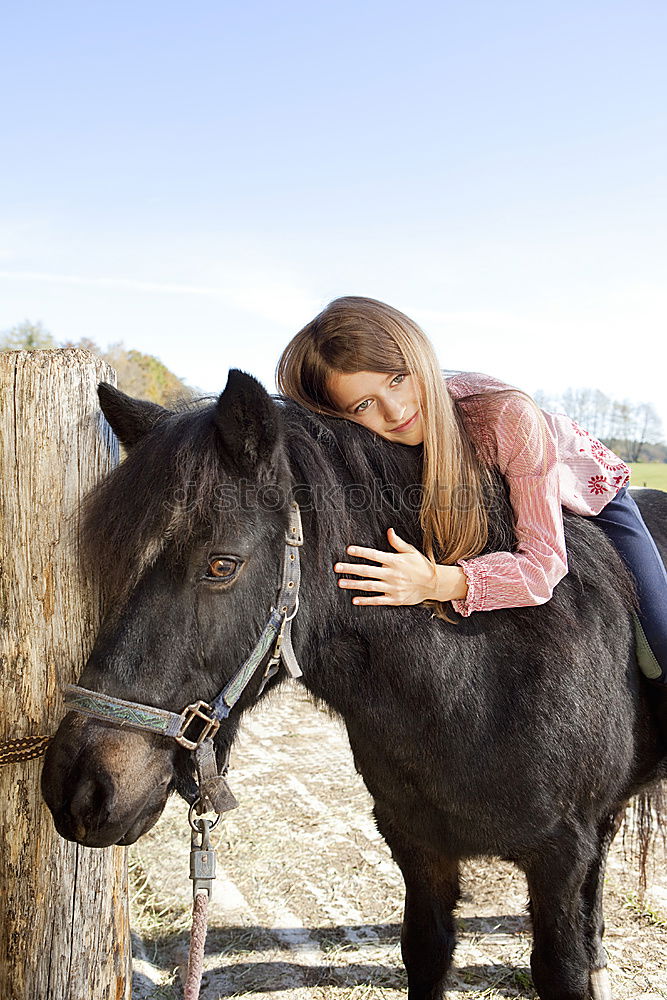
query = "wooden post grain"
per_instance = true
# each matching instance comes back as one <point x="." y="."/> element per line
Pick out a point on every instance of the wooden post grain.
<point x="64" y="929"/>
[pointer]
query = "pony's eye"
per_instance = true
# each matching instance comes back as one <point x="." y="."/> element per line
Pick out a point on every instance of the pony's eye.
<point x="222" y="568"/>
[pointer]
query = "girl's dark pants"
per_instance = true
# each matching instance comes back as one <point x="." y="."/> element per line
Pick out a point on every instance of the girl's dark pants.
<point x="623" y="524"/>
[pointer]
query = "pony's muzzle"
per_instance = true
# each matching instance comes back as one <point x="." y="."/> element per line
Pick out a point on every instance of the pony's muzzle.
<point x="105" y="785"/>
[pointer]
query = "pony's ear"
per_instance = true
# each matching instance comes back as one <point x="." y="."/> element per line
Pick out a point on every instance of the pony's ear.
<point x="130" y="418"/>
<point x="247" y="420"/>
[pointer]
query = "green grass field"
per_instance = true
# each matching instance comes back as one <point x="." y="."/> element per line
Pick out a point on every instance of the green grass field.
<point x="651" y="474"/>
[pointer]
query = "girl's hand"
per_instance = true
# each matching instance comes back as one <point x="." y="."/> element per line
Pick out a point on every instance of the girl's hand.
<point x="404" y="577"/>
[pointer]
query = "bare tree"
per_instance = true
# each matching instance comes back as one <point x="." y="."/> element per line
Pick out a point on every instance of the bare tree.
<point x="27" y="336"/>
<point x="600" y="414"/>
<point x="647" y="428"/>
<point x="544" y="401"/>
<point x="627" y="427"/>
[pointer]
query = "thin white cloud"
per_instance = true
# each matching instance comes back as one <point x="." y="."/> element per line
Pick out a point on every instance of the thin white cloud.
<point x="126" y="283"/>
<point x="275" y="301"/>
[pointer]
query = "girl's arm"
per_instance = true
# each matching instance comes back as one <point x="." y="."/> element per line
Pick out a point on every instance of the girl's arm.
<point x="528" y="460"/>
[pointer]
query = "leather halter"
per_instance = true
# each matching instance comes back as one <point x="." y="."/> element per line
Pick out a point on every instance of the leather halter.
<point x="213" y="790"/>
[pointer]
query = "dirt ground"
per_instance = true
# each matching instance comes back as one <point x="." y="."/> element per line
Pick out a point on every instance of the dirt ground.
<point x="307" y="904"/>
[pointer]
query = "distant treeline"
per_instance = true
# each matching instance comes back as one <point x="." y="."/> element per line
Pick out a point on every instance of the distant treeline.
<point x="632" y="430"/>
<point x="140" y="375"/>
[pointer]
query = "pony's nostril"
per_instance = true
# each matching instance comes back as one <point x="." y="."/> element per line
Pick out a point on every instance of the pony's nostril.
<point x="78" y="830"/>
<point x="90" y="805"/>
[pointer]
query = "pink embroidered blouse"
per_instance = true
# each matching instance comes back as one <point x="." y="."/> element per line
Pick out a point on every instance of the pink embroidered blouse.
<point x="565" y="467"/>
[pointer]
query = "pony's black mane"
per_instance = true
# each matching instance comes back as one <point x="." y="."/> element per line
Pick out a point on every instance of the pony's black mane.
<point x="159" y="495"/>
<point x="167" y="491"/>
<point x="350" y="476"/>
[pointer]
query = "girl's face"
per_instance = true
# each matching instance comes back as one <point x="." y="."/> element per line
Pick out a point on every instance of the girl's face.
<point x="385" y="403"/>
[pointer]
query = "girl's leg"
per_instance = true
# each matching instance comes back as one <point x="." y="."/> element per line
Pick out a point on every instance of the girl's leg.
<point x="623" y="524"/>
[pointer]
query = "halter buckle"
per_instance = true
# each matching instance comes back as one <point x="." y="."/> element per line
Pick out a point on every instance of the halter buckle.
<point x="198" y="710"/>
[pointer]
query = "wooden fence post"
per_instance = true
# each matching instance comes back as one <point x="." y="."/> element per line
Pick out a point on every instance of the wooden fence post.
<point x="64" y="928"/>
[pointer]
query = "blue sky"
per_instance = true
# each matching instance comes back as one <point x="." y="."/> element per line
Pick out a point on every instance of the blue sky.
<point x="198" y="180"/>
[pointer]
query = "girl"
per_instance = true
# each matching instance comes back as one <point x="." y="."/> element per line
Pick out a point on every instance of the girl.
<point x="363" y="360"/>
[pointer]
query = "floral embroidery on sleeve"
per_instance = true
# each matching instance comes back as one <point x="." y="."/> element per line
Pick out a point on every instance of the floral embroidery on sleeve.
<point x="605" y="457"/>
<point x="598" y="484"/>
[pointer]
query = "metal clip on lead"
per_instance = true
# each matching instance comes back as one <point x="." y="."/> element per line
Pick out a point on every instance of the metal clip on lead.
<point x="202" y="857"/>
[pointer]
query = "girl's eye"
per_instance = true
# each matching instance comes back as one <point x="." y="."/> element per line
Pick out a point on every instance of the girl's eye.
<point x="397" y="380"/>
<point x="222" y="568"/>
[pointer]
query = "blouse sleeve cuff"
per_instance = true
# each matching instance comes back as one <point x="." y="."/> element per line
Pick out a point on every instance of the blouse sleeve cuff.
<point x="477" y="578"/>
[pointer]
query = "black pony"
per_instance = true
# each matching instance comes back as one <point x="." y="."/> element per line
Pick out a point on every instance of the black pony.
<point x="519" y="733"/>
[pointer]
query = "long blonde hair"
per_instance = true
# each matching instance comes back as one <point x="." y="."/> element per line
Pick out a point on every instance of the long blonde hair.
<point x="359" y="334"/>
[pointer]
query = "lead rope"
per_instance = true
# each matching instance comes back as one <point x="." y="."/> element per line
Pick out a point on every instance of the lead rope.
<point x="197" y="944"/>
<point x="202" y="873"/>
<point x="26" y="748"/>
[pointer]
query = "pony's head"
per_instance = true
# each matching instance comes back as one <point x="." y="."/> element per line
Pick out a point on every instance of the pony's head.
<point x="185" y="538"/>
